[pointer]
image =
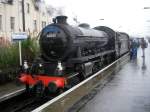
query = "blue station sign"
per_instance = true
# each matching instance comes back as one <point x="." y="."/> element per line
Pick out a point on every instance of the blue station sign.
<point x="19" y="36"/>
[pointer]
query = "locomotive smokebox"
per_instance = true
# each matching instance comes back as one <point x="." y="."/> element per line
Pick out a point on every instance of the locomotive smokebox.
<point x="54" y="40"/>
<point x="61" y="19"/>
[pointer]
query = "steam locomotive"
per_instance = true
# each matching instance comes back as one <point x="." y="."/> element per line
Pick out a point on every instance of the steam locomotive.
<point x="71" y="54"/>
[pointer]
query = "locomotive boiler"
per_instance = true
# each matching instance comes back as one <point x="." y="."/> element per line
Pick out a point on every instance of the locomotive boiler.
<point x="61" y="42"/>
<point x="69" y="53"/>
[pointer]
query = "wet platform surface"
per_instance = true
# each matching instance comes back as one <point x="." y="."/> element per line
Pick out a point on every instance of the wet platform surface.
<point x="128" y="91"/>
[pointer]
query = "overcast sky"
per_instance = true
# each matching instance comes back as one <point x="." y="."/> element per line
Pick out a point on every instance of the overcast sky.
<point x="122" y="15"/>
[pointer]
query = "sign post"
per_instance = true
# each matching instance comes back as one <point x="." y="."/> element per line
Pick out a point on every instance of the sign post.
<point x="20" y="53"/>
<point x="19" y="37"/>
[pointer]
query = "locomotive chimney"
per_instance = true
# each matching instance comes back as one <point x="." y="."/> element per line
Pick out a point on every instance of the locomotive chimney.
<point x="61" y="19"/>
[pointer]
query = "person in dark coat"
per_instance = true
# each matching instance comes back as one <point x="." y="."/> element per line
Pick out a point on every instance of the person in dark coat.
<point x="133" y="52"/>
<point x="143" y="46"/>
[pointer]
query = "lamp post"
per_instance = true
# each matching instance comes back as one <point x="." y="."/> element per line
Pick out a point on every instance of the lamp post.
<point x="23" y="27"/>
<point x="23" y="16"/>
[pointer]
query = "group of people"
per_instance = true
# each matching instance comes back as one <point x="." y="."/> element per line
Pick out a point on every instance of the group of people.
<point x="134" y="46"/>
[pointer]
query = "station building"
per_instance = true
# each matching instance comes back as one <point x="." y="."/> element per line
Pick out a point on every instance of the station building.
<point x="11" y="20"/>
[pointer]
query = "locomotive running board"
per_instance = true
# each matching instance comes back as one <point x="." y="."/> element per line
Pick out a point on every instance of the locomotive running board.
<point x="67" y="99"/>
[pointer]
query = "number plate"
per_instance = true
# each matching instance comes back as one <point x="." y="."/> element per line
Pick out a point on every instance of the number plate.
<point x="51" y="35"/>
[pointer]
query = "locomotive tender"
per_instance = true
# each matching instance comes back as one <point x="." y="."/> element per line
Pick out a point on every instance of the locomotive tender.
<point x="69" y="53"/>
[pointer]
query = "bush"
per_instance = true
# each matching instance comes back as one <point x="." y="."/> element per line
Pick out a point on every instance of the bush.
<point x="9" y="57"/>
<point x="30" y="49"/>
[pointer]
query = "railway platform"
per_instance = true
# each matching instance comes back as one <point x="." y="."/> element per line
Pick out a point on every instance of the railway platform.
<point x="9" y="90"/>
<point x="128" y="91"/>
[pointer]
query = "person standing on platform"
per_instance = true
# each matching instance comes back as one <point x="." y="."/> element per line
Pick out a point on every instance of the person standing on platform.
<point x="134" y="47"/>
<point x="143" y="46"/>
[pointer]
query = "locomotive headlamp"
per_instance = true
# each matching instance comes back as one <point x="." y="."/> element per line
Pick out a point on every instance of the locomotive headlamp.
<point x="59" y="69"/>
<point x="59" y="66"/>
<point x="25" y="65"/>
<point x="40" y="65"/>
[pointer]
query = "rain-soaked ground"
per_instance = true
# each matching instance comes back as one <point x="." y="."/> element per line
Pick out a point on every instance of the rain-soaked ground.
<point x="128" y="91"/>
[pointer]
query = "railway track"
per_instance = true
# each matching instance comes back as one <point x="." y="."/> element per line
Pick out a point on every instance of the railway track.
<point x="12" y="94"/>
<point x="29" y="105"/>
<point x="23" y="103"/>
<point x="63" y="102"/>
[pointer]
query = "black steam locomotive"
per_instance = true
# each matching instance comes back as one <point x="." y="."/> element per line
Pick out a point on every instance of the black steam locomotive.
<point x="69" y="52"/>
